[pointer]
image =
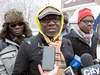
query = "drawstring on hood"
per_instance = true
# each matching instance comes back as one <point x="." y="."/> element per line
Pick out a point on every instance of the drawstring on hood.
<point x="39" y="25"/>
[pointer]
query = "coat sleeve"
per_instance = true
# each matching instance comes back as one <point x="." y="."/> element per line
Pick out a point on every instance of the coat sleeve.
<point x="69" y="48"/>
<point x="21" y="63"/>
<point x="2" y="68"/>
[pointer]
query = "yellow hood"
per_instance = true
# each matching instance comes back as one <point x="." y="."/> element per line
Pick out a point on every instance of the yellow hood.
<point x="39" y="25"/>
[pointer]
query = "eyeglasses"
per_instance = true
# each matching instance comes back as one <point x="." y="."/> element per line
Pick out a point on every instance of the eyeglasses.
<point x="14" y="24"/>
<point x="47" y="20"/>
<point x="65" y="22"/>
<point x="87" y="21"/>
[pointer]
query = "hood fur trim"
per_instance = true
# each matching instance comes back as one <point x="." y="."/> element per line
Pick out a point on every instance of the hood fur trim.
<point x="13" y="16"/>
<point x="27" y="30"/>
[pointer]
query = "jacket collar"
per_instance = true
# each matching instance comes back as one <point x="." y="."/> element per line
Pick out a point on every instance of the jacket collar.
<point x="43" y="42"/>
<point x="74" y="34"/>
<point x="9" y="48"/>
<point x="11" y="42"/>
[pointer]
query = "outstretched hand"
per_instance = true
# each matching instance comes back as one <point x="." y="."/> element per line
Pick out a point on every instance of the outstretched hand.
<point x="53" y="72"/>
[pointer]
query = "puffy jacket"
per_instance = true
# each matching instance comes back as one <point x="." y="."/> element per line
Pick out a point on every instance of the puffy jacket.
<point x="8" y="53"/>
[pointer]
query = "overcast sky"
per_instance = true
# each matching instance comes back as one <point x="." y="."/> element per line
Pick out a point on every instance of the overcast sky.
<point x="56" y="3"/>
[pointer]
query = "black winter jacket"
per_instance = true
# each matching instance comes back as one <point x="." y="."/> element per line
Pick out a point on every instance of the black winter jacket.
<point x="80" y="46"/>
<point x="30" y="54"/>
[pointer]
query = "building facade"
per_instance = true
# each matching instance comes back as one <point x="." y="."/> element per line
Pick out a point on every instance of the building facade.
<point x="71" y="5"/>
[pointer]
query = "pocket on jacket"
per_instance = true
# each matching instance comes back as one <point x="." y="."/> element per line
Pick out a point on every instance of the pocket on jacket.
<point x="9" y="55"/>
<point x="9" y="61"/>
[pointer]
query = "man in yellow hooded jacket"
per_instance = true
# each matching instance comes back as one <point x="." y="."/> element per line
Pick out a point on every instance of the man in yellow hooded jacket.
<point x="49" y="21"/>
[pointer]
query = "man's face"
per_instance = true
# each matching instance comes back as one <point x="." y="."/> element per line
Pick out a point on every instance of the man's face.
<point x="65" y="22"/>
<point x="50" y="25"/>
<point x="86" y="24"/>
<point x="16" y="28"/>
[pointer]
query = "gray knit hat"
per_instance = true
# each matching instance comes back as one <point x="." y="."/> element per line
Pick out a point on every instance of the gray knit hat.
<point x="48" y="11"/>
<point x="13" y="16"/>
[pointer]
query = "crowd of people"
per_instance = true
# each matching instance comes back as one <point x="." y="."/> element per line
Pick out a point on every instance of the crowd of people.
<point x="21" y="52"/>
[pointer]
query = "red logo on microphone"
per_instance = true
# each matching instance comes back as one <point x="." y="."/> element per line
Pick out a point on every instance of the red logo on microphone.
<point x="76" y="60"/>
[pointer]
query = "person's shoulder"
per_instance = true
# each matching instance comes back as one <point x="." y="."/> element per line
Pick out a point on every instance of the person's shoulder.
<point x="96" y="34"/>
<point x="3" y="44"/>
<point x="68" y="27"/>
<point x="66" y="35"/>
<point x="66" y="40"/>
<point x="1" y="40"/>
<point x="29" y="40"/>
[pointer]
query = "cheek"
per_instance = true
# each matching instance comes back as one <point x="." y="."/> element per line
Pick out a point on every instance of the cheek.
<point x="59" y="25"/>
<point x="22" y="28"/>
<point x="81" y="26"/>
<point x="43" y="27"/>
<point x="11" y="29"/>
<point x="64" y="25"/>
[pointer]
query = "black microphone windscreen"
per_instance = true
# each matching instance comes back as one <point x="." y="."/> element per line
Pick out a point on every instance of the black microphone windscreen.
<point x="69" y="57"/>
<point x="87" y="60"/>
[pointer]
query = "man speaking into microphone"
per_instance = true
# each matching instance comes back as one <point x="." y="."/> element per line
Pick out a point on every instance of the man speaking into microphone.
<point x="49" y="21"/>
<point x="82" y="36"/>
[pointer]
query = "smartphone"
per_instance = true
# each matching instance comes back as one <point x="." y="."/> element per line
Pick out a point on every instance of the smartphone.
<point x="48" y="58"/>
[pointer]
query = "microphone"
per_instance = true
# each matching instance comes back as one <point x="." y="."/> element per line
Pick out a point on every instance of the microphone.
<point x="69" y="71"/>
<point x="88" y="63"/>
<point x="69" y="57"/>
<point x="75" y="60"/>
<point x="87" y="60"/>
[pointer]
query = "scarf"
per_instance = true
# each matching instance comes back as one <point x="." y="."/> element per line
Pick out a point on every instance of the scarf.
<point x="87" y="37"/>
<point x="17" y="40"/>
<point x="59" y="58"/>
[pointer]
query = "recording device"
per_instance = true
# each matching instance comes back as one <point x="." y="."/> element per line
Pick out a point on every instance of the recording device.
<point x="48" y="58"/>
<point x="87" y="60"/>
<point x="96" y="61"/>
<point x="75" y="60"/>
<point x="88" y="63"/>
<point x="68" y="71"/>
